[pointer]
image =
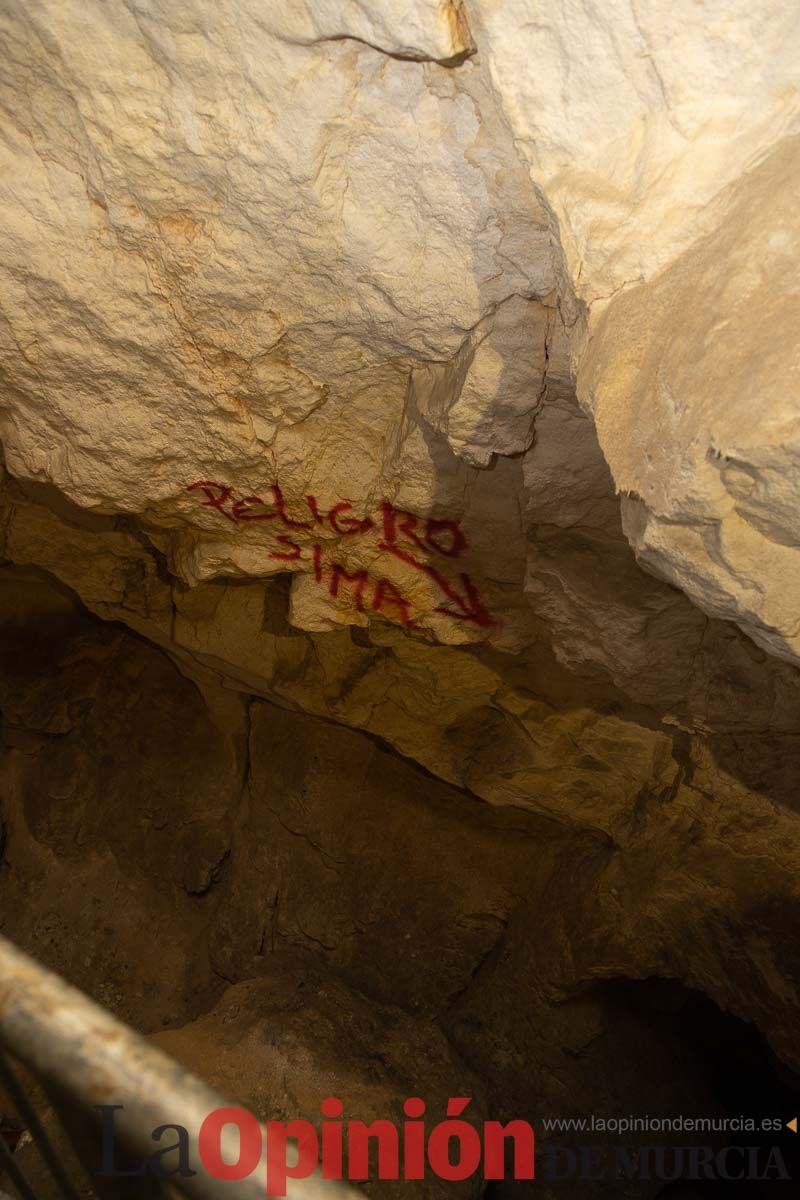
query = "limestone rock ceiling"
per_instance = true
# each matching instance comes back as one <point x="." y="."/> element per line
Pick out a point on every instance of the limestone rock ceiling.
<point x="335" y="260"/>
<point x="283" y="296"/>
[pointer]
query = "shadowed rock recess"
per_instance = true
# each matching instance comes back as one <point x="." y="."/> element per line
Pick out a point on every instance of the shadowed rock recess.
<point x="400" y="551"/>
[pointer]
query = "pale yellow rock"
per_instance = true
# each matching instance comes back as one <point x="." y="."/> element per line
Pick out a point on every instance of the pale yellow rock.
<point x="229" y="237"/>
<point x="694" y="380"/>
<point x="662" y="137"/>
<point x="635" y="116"/>
<point x="325" y="261"/>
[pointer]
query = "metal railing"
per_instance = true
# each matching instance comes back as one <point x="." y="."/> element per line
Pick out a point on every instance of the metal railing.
<point x="84" y="1057"/>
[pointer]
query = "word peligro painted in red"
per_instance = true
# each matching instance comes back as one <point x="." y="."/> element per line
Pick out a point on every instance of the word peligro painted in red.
<point x="397" y="532"/>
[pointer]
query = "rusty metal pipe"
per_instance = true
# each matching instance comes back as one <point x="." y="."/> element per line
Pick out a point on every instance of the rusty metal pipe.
<point x="73" y="1044"/>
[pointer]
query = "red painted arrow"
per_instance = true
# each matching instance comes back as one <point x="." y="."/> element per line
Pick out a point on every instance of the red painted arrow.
<point x="466" y="608"/>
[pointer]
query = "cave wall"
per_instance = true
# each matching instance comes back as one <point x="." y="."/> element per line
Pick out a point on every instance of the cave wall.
<point x="234" y="234"/>
<point x="398" y="519"/>
<point x="296" y="911"/>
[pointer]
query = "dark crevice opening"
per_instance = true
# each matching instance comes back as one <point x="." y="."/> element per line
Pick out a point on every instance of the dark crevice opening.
<point x="738" y="1070"/>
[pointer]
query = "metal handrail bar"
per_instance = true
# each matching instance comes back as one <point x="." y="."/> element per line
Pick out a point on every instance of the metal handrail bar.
<point x="27" y="1115"/>
<point x="76" y="1046"/>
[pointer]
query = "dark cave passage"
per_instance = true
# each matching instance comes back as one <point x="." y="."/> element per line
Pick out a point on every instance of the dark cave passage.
<point x="749" y="1082"/>
<point x="329" y="904"/>
<point x="736" y="1077"/>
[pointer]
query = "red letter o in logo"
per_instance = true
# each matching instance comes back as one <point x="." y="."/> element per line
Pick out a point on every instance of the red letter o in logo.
<point x="209" y="1143"/>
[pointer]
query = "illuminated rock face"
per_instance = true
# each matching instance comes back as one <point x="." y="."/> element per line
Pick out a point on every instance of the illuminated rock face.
<point x="285" y="262"/>
<point x="332" y="332"/>
<point x="329" y="249"/>
<point x="665" y="140"/>
<point x="696" y="405"/>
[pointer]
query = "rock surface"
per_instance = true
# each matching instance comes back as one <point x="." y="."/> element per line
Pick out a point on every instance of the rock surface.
<point x="297" y="912"/>
<point x="234" y="236"/>
<point x="330" y="335"/>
